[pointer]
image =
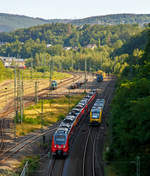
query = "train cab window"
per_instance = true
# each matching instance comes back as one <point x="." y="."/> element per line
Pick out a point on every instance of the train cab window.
<point x="95" y="114"/>
<point x="60" y="139"/>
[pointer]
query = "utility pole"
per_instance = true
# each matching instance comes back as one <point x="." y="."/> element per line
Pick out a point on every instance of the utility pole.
<point x="19" y="90"/>
<point x="36" y="92"/>
<point x="69" y="103"/>
<point x="138" y="165"/>
<point x="18" y="94"/>
<point x="22" y="87"/>
<point x="42" y="121"/>
<point x="31" y="70"/>
<point x="72" y="64"/>
<point x="42" y="115"/>
<point x="21" y="100"/>
<point x="50" y="74"/>
<point x="137" y="162"/>
<point x="44" y="60"/>
<point x="6" y="95"/>
<point x="15" y="104"/>
<point x="50" y="71"/>
<point x="85" y="67"/>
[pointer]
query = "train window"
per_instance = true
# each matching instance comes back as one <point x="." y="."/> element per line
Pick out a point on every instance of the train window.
<point x="67" y="120"/>
<point x="95" y="115"/>
<point x="60" y="139"/>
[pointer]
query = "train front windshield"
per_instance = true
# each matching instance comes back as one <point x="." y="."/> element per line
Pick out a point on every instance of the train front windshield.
<point x="95" y="114"/>
<point x="60" y="139"/>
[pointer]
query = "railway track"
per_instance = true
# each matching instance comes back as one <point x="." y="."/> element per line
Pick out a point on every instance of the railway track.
<point x="94" y="156"/>
<point x="53" y="167"/>
<point x="85" y="153"/>
<point x="41" y="93"/>
<point x="22" y="144"/>
<point x="2" y="134"/>
<point x="8" y="92"/>
<point x="94" y="136"/>
<point x="5" y="125"/>
<point x="89" y="141"/>
<point x="4" y="93"/>
<point x="58" y="164"/>
<point x="90" y="162"/>
<point x="5" y="154"/>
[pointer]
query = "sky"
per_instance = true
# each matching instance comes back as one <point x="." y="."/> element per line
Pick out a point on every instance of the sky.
<point x="73" y="9"/>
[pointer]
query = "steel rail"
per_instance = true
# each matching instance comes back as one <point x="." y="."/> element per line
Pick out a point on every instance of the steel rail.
<point x="51" y="166"/>
<point x="20" y="145"/>
<point x="84" y="154"/>
<point x="2" y="134"/>
<point x="10" y="109"/>
<point x="93" y="163"/>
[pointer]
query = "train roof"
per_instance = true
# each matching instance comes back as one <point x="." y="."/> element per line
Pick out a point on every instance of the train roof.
<point x="87" y="96"/>
<point x="70" y="117"/>
<point x="79" y="106"/>
<point x="65" y="125"/>
<point x="76" y="109"/>
<point x="99" y="104"/>
<point x="81" y="103"/>
<point x="100" y="99"/>
<point x="84" y="101"/>
<point x="96" y="109"/>
<point x="61" y="130"/>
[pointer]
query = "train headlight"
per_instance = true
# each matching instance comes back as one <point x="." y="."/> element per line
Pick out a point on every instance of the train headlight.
<point x="55" y="146"/>
<point x="64" y="146"/>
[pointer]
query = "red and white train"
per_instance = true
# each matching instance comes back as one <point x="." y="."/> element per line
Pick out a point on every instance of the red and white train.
<point x="61" y="138"/>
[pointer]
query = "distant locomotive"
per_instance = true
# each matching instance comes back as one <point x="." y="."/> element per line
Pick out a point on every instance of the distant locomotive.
<point x="53" y="85"/>
<point x="96" y="112"/>
<point x="78" y="84"/>
<point x="99" y="77"/>
<point x="61" y="138"/>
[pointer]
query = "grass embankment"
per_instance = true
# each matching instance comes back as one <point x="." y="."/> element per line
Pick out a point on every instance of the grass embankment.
<point x="53" y="111"/>
<point x="6" y="74"/>
<point x="109" y="171"/>
<point x="29" y="74"/>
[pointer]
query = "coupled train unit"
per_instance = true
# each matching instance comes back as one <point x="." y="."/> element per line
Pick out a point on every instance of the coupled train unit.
<point x="61" y="138"/>
<point x="99" y="77"/>
<point x="96" y="112"/>
<point x="54" y="85"/>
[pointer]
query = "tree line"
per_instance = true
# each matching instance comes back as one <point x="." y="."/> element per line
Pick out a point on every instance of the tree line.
<point x="130" y="115"/>
<point x="47" y="42"/>
<point x="121" y="50"/>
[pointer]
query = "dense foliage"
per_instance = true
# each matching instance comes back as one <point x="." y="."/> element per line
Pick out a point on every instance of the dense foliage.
<point x="70" y="35"/>
<point x="130" y="119"/>
<point x="115" y="19"/>
<point x="121" y="50"/>
<point x="5" y="73"/>
<point x="34" y="43"/>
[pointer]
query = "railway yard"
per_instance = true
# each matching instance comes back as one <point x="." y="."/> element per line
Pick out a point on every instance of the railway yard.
<point x="86" y="144"/>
